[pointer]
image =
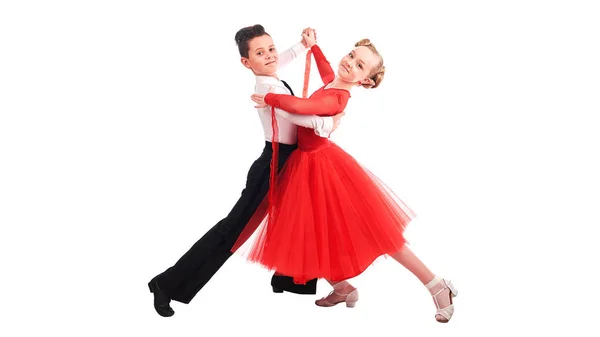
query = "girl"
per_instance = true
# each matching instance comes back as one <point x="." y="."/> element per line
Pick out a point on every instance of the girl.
<point x="329" y="217"/>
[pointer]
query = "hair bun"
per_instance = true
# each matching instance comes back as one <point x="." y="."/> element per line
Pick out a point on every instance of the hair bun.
<point x="363" y="42"/>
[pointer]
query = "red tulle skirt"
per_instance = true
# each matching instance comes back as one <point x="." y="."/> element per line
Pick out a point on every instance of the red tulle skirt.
<point x="332" y="218"/>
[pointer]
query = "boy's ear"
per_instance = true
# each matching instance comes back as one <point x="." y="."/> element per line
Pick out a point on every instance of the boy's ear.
<point x="246" y="62"/>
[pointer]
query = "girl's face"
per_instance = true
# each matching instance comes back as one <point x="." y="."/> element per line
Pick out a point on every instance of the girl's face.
<point x="357" y="65"/>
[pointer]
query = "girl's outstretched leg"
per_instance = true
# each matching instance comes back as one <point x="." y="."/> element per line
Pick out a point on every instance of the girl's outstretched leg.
<point x="440" y="289"/>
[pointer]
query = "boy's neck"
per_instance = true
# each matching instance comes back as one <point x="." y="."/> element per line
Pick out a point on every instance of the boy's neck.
<point x="274" y="76"/>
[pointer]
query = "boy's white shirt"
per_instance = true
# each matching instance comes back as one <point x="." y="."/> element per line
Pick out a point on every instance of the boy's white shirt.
<point x="287" y="122"/>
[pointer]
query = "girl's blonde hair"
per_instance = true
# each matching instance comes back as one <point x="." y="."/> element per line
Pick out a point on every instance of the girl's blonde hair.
<point x="379" y="70"/>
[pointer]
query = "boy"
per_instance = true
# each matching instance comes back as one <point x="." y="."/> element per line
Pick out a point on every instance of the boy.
<point x="195" y="268"/>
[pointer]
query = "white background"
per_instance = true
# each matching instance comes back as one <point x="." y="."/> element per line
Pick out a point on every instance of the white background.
<point x="126" y="132"/>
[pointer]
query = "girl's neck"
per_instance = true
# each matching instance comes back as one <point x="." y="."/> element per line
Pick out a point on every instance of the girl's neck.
<point x="340" y="84"/>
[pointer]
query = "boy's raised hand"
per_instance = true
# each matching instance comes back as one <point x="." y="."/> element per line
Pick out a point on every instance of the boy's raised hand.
<point x="309" y="37"/>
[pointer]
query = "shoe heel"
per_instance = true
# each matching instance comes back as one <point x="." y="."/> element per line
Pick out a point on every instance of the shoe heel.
<point x="153" y="285"/>
<point x="351" y="299"/>
<point x="277" y="290"/>
<point x="453" y="290"/>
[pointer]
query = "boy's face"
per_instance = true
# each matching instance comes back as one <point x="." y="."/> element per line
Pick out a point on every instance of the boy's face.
<point x="262" y="56"/>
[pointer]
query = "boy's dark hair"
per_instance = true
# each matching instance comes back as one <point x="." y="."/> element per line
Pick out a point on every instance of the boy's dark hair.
<point x="244" y="35"/>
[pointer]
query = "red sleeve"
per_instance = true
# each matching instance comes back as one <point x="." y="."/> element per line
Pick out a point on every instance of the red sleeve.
<point x="325" y="70"/>
<point x="330" y="104"/>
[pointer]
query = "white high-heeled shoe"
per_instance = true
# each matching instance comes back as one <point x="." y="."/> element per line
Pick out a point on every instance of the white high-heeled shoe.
<point x="446" y="312"/>
<point x="350" y="299"/>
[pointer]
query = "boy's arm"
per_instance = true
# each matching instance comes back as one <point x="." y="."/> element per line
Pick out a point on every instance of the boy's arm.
<point x="323" y="126"/>
<point x="290" y="54"/>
